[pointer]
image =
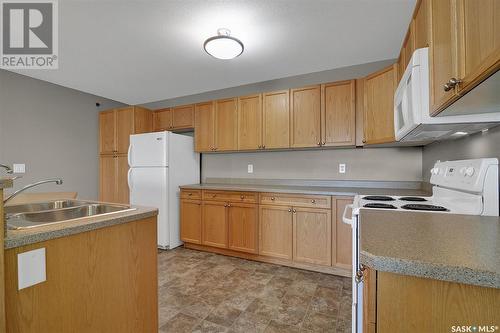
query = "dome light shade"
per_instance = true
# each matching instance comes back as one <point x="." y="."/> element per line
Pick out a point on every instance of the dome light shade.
<point x="223" y="46"/>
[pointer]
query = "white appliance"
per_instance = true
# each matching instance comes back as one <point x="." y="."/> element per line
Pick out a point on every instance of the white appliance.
<point x="467" y="187"/>
<point x="412" y="121"/>
<point x="159" y="163"/>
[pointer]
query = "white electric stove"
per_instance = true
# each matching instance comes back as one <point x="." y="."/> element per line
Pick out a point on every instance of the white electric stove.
<point x="467" y="187"/>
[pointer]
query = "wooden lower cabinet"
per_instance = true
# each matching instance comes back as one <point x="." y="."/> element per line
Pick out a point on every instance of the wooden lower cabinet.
<point x="243" y="223"/>
<point x="342" y="234"/>
<point x="312" y="235"/>
<point x="214" y="224"/>
<point x="370" y="301"/>
<point x="276" y="230"/>
<point x="191" y="221"/>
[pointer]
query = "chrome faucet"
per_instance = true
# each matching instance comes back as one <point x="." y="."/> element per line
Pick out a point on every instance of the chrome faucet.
<point x="6" y="167"/>
<point x="58" y="181"/>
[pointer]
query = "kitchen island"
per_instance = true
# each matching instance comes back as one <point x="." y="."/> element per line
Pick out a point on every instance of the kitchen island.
<point x="101" y="275"/>
<point x="427" y="272"/>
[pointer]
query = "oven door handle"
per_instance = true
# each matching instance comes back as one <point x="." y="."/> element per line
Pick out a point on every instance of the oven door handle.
<point x="344" y="215"/>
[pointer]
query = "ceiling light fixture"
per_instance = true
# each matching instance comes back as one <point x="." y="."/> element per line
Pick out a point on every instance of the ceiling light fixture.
<point x="223" y="46"/>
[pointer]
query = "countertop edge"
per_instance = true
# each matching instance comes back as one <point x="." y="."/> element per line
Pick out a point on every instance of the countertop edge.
<point x="432" y="271"/>
<point x="42" y="236"/>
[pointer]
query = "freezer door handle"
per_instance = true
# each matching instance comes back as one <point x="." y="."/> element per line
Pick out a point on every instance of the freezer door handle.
<point x="129" y="178"/>
<point x="344" y="215"/>
<point x="129" y="155"/>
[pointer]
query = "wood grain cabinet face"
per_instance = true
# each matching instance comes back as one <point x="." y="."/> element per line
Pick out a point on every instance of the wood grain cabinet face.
<point x="124" y="127"/>
<point x="250" y="122"/>
<point x="226" y="126"/>
<point x="305" y="121"/>
<point x="338" y="115"/>
<point x="162" y="120"/>
<point x="214" y="224"/>
<point x="183" y="117"/>
<point x="276" y="120"/>
<point x="276" y="230"/>
<point x="204" y="127"/>
<point x="107" y="178"/>
<point x="107" y="132"/>
<point x="341" y="233"/>
<point x="122" y="190"/>
<point x="378" y="107"/>
<point x="243" y="227"/>
<point x="191" y="221"/>
<point x="312" y="236"/>
<point x="421" y="22"/>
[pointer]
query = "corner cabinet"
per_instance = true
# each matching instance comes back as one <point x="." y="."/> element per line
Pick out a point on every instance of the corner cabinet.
<point x="115" y="128"/>
<point x="378" y="108"/>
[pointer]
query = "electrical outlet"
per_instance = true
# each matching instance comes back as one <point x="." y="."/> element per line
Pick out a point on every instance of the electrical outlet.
<point x="342" y="168"/>
<point x="19" y="168"/>
<point x="250" y="168"/>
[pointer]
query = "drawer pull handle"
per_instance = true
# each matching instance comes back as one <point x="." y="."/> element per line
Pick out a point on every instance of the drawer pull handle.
<point x="313" y="201"/>
<point x="272" y="198"/>
<point x="190" y="194"/>
<point x="294" y="210"/>
<point x="214" y="195"/>
<point x="289" y="210"/>
<point x="242" y="197"/>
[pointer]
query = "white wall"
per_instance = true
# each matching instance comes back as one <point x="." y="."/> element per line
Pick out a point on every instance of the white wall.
<point x="53" y="130"/>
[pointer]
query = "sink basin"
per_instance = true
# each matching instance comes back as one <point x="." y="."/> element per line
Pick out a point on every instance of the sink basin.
<point x="39" y="214"/>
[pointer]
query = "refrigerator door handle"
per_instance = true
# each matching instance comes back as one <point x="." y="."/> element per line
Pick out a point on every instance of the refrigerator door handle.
<point x="129" y="155"/>
<point x="129" y="178"/>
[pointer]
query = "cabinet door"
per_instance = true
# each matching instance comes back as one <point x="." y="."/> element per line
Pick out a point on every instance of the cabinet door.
<point x="409" y="45"/>
<point x="243" y="222"/>
<point x="479" y="31"/>
<point x="214" y="222"/>
<point x="204" y="127"/>
<point x="107" y="132"/>
<point x="122" y="190"/>
<point x="191" y="221"/>
<point x="338" y="116"/>
<point x="422" y="25"/>
<point x="342" y="235"/>
<point x="312" y="236"/>
<point x="369" y="300"/>
<point x="276" y="230"/>
<point x="162" y="120"/>
<point x="107" y="178"/>
<point x="442" y="54"/>
<point x="124" y="127"/>
<point x="250" y="122"/>
<point x="305" y="122"/>
<point x="276" y="120"/>
<point x="378" y="108"/>
<point x="183" y="117"/>
<point x="143" y="120"/>
<point x="226" y="126"/>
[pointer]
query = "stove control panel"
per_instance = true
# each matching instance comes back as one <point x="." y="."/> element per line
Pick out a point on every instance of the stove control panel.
<point x="466" y="175"/>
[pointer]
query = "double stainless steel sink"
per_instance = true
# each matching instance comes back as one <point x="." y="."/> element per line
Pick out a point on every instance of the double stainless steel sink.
<point x="57" y="211"/>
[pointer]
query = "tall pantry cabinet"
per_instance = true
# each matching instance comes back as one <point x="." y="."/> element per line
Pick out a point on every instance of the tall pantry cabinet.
<point x="115" y="128"/>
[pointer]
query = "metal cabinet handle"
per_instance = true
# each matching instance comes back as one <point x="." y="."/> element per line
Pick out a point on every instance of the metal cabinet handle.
<point x="264" y="147"/>
<point x="289" y="210"/>
<point x="242" y="197"/>
<point x="260" y="146"/>
<point x="273" y="198"/>
<point x="190" y="194"/>
<point x="225" y="205"/>
<point x="214" y="195"/>
<point x="293" y="210"/>
<point x="319" y="143"/>
<point x="451" y="84"/>
<point x="313" y="201"/>
<point x="323" y="143"/>
<point x="229" y="205"/>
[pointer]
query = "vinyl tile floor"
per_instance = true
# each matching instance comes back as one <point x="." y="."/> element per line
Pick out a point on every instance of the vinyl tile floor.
<point x="205" y="292"/>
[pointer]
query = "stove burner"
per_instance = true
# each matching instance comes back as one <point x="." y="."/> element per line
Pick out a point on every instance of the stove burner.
<point x="379" y="205"/>
<point x="412" y="199"/>
<point x="424" y="207"/>
<point x="378" y="198"/>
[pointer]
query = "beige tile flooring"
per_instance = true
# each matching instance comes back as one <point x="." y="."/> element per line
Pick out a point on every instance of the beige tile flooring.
<point x="204" y="292"/>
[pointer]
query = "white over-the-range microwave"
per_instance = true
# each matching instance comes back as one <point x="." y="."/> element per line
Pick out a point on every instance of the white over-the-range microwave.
<point x="476" y="111"/>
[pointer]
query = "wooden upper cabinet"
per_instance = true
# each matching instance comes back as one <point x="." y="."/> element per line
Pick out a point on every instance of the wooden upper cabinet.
<point x="107" y="132"/>
<point x="378" y="109"/>
<point x="124" y="127"/>
<point x="442" y="56"/>
<point x="214" y="224"/>
<point x="243" y="227"/>
<point x="338" y="114"/>
<point x="276" y="232"/>
<point x="226" y="126"/>
<point x="183" y="117"/>
<point x="276" y="119"/>
<point x="162" y="120"/>
<point x="250" y="122"/>
<point x="479" y="40"/>
<point x="143" y="120"/>
<point x="409" y="44"/>
<point x="312" y="236"/>
<point x="421" y="25"/>
<point x="305" y="120"/>
<point x="204" y="127"/>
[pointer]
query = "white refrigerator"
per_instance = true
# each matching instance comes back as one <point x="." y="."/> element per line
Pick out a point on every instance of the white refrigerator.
<point x="159" y="163"/>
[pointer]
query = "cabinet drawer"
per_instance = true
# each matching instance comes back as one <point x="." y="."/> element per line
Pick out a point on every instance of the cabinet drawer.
<point x="249" y="197"/>
<point x="297" y="200"/>
<point x="191" y="194"/>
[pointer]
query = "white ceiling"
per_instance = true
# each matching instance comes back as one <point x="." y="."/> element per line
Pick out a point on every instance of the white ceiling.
<point x="142" y="51"/>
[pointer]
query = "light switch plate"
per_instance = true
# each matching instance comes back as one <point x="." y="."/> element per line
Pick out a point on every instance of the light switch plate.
<point x="250" y="168"/>
<point x="31" y="268"/>
<point x="342" y="168"/>
<point x="19" y="168"/>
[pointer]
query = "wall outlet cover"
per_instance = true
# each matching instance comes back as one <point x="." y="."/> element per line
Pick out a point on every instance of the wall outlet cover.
<point x="250" y="168"/>
<point x="31" y="268"/>
<point x="342" y="168"/>
<point x="19" y="168"/>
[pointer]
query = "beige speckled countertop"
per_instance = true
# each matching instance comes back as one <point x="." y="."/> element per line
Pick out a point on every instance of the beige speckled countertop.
<point x="5" y="183"/>
<point x="319" y="190"/>
<point x="457" y="248"/>
<point x="16" y="238"/>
